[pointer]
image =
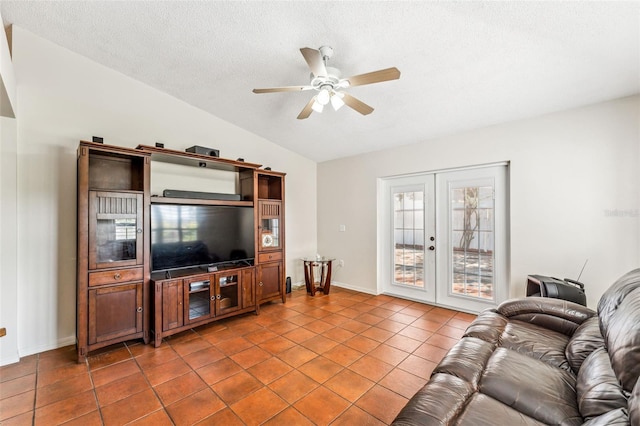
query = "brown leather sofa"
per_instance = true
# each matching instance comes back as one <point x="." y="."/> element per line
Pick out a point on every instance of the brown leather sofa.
<point x="539" y="361"/>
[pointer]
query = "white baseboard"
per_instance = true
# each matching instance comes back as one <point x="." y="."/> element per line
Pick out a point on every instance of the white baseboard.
<point x="65" y="341"/>
<point x="354" y="288"/>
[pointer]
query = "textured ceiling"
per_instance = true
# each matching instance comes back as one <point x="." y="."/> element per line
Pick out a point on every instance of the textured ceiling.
<point x="464" y="65"/>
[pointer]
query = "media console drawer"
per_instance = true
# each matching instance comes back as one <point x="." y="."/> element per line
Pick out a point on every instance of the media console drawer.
<point x="115" y="276"/>
<point x="270" y="257"/>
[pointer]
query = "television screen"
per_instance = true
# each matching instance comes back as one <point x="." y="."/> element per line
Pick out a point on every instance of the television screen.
<point x="198" y="235"/>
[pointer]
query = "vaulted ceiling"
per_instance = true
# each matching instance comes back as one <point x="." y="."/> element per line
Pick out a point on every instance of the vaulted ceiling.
<point x="464" y="65"/>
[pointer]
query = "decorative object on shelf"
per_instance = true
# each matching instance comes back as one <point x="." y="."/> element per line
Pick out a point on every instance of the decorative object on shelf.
<point x="159" y="145"/>
<point x="267" y="240"/>
<point x="97" y="139"/>
<point x="203" y="150"/>
<point x="328" y="83"/>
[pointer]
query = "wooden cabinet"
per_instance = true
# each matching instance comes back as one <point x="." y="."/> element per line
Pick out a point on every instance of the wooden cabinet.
<point x="171" y="298"/>
<point x="270" y="281"/>
<point x="117" y="299"/>
<point x="269" y="187"/>
<point x="112" y="258"/>
<point x="115" y="312"/>
<point x="198" y="299"/>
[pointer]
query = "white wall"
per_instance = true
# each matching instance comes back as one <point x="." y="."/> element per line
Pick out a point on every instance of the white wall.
<point x="65" y="97"/>
<point x="569" y="172"/>
<point x="8" y="242"/>
<point x="8" y="208"/>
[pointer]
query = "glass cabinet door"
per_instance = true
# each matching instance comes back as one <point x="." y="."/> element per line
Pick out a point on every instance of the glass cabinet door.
<point x="200" y="298"/>
<point x="228" y="292"/>
<point x="115" y="229"/>
<point x="269" y="225"/>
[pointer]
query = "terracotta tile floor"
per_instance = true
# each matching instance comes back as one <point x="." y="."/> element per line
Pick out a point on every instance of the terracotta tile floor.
<point x="346" y="358"/>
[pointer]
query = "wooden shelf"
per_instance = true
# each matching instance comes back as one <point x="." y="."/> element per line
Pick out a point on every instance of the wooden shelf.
<point x="199" y="201"/>
<point x="194" y="160"/>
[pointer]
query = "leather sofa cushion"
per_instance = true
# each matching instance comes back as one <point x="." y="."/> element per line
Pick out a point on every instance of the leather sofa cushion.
<point x="436" y="404"/>
<point x="531" y="386"/>
<point x="597" y="388"/>
<point x="634" y="404"/>
<point x="619" y="312"/>
<point x="612" y="418"/>
<point x="585" y="340"/>
<point x="537" y="342"/>
<point x="487" y="326"/>
<point x="484" y="410"/>
<point x="554" y="314"/>
<point x="466" y="360"/>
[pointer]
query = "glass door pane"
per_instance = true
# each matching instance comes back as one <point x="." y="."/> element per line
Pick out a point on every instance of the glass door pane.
<point x="229" y="292"/>
<point x="472" y="241"/>
<point x="270" y="233"/>
<point x="199" y="299"/>
<point x="408" y="231"/>
<point x="115" y="229"/>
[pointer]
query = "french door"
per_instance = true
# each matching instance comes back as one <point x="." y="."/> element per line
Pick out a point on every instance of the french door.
<point x="443" y="237"/>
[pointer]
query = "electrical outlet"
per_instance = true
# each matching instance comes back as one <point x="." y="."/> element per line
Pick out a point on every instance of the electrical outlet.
<point x="341" y="263"/>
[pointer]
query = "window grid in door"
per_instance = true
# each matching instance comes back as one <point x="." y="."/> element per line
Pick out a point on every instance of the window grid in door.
<point x="408" y="234"/>
<point x="472" y="241"/>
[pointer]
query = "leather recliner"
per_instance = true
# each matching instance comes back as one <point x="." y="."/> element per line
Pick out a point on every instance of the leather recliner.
<point x="536" y="361"/>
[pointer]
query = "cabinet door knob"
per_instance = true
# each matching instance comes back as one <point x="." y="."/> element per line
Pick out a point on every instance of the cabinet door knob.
<point x="117" y="276"/>
<point x="139" y="230"/>
<point x="139" y="309"/>
<point x="213" y="298"/>
<point x="218" y="296"/>
<point x="260" y="284"/>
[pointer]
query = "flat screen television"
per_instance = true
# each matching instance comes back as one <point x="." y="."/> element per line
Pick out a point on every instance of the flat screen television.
<point x="200" y="235"/>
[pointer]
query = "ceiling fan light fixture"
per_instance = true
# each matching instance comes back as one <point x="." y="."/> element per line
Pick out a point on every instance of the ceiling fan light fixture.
<point x="336" y="100"/>
<point x="323" y="97"/>
<point x="317" y="106"/>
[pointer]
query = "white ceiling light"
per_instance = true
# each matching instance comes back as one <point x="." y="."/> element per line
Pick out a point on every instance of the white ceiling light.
<point x="317" y="106"/>
<point x="336" y="100"/>
<point x="323" y="96"/>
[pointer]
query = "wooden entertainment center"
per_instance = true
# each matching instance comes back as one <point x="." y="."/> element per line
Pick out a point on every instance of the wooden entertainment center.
<point x="119" y="297"/>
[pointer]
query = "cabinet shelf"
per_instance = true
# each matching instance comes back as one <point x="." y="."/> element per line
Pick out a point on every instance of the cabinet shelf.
<point x="195" y="160"/>
<point x="199" y="201"/>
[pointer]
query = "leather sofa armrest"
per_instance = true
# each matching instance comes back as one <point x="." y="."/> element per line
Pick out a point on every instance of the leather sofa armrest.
<point x="554" y="314"/>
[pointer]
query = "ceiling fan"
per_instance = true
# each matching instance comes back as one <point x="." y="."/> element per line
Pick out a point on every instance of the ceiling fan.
<point x="328" y="83"/>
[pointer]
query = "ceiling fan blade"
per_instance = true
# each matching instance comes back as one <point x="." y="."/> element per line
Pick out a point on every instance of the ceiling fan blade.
<point x="374" y="77"/>
<point x="307" y="110"/>
<point x="356" y="104"/>
<point x="283" y="89"/>
<point x="314" y="60"/>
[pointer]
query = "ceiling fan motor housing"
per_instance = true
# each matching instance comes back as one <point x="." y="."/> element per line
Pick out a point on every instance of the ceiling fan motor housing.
<point x="326" y="82"/>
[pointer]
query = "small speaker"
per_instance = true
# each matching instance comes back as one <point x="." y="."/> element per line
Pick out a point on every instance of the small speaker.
<point x="203" y="150"/>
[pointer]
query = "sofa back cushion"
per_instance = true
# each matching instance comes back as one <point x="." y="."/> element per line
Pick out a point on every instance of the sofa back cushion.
<point x="634" y="405"/>
<point x="584" y="341"/>
<point x="597" y="387"/>
<point x="619" y="315"/>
